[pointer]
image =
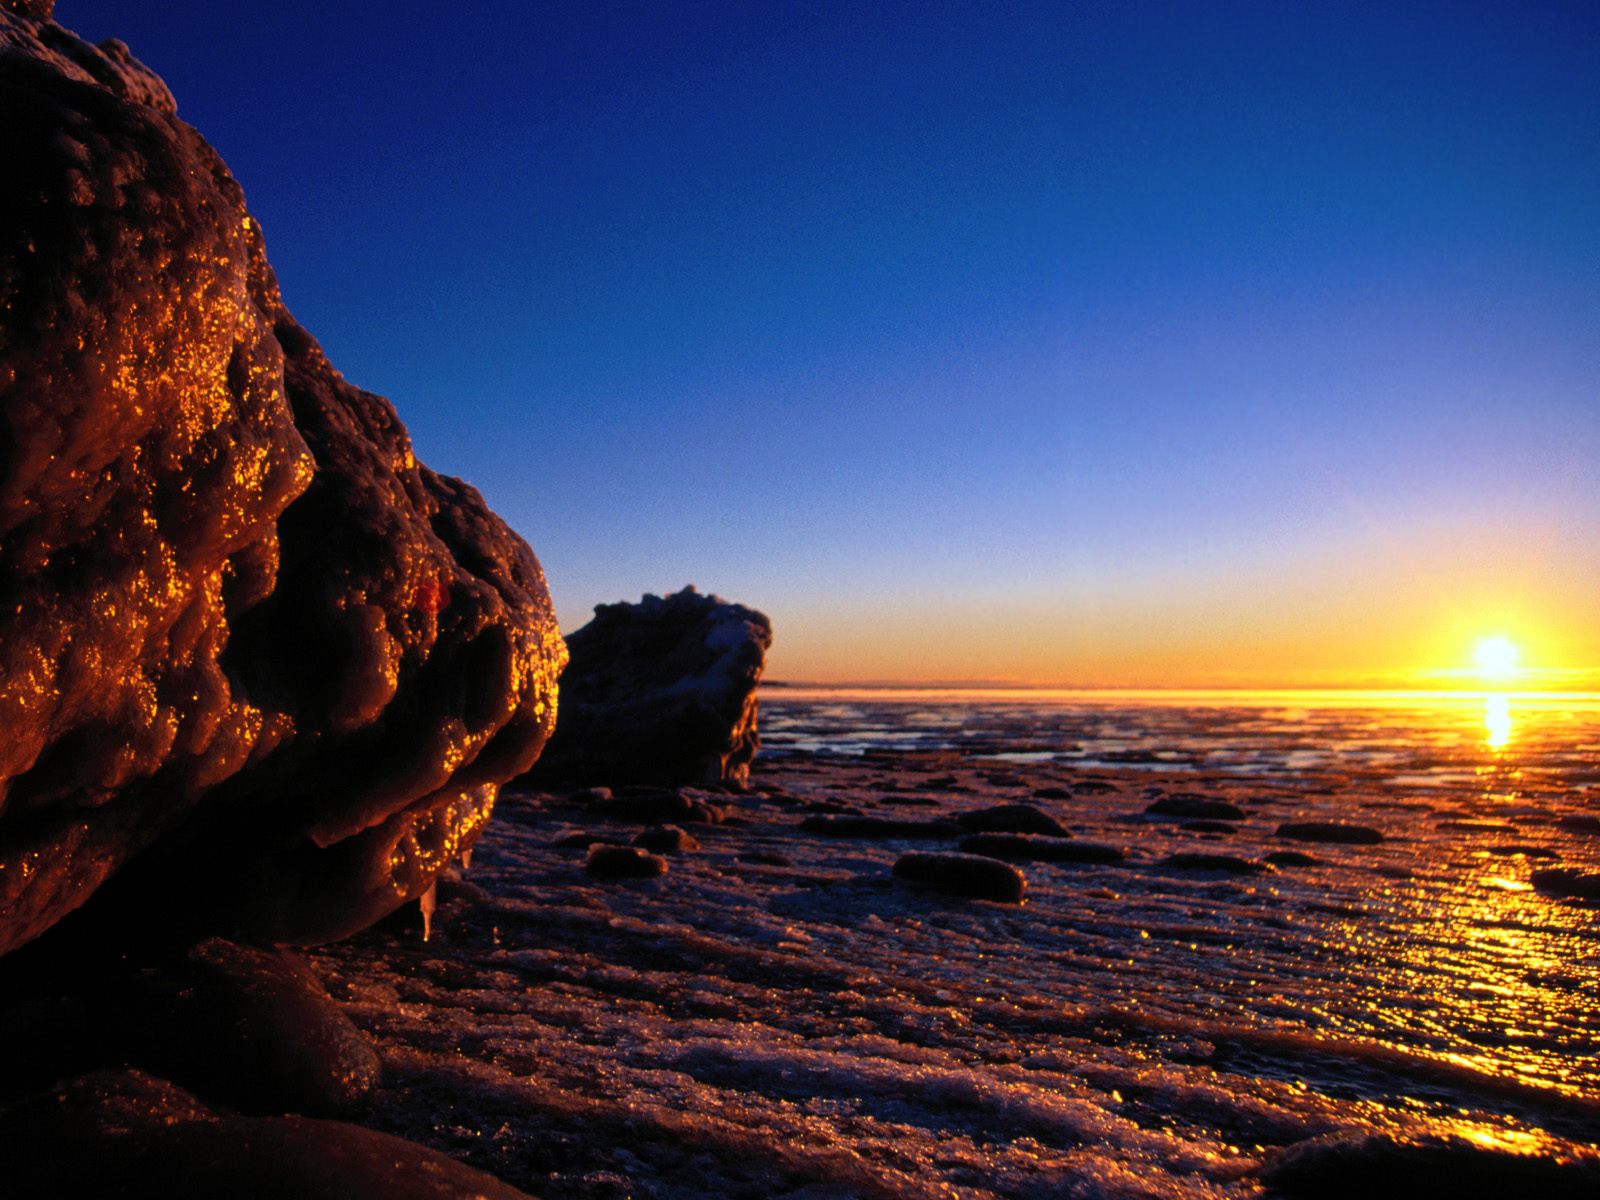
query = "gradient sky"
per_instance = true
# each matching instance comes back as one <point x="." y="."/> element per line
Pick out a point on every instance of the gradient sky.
<point x="1088" y="343"/>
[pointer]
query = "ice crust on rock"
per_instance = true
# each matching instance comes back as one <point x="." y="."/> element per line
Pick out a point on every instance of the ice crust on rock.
<point x="247" y="634"/>
<point x="661" y="692"/>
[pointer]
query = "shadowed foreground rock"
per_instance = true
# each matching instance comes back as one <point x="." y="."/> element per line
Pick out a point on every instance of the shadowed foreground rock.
<point x="661" y="692"/>
<point x="122" y="1133"/>
<point x="246" y="635"/>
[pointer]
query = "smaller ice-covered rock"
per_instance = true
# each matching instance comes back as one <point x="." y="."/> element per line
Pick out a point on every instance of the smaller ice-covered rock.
<point x="661" y="692"/>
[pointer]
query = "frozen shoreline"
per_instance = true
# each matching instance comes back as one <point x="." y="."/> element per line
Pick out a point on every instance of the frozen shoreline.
<point x="778" y="1016"/>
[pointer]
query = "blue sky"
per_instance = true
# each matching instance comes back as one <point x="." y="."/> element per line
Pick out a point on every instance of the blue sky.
<point x="1125" y="342"/>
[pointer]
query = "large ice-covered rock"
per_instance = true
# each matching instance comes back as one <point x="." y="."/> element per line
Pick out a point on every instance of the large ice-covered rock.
<point x="245" y="635"/>
<point x="661" y="692"/>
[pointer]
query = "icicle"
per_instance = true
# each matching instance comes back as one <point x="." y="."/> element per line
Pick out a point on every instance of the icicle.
<point x="466" y="860"/>
<point x="428" y="901"/>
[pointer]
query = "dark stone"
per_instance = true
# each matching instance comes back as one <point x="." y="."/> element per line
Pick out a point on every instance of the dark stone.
<point x="1195" y="807"/>
<point x="1378" y="1166"/>
<point x="832" y="806"/>
<point x="666" y="839"/>
<point x="1331" y="832"/>
<point x="1579" y="823"/>
<point x="250" y="639"/>
<point x="1092" y="787"/>
<point x="1011" y="818"/>
<point x="1208" y="827"/>
<point x="661" y="692"/>
<point x="1290" y="858"/>
<point x="1052" y="793"/>
<point x="659" y="807"/>
<point x="624" y="862"/>
<point x="766" y="858"/>
<point x="967" y="875"/>
<point x="1021" y="847"/>
<point x="1567" y="883"/>
<point x="879" y="828"/>
<point x="1226" y="864"/>
<point x="251" y="1028"/>
<point x="123" y="1135"/>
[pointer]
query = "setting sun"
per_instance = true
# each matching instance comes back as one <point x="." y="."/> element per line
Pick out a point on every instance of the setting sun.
<point x="1496" y="658"/>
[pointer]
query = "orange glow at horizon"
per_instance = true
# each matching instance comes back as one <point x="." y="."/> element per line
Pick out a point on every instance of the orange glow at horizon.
<point x="1257" y="633"/>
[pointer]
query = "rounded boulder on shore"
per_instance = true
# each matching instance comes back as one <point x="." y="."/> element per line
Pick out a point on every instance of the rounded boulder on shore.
<point x="967" y="875"/>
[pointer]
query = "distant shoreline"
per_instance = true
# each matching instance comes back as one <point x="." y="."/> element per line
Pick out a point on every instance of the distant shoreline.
<point x="1306" y="691"/>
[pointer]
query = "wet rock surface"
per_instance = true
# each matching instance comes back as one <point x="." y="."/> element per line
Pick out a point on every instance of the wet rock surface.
<point x="252" y="640"/>
<point x="661" y="692"/>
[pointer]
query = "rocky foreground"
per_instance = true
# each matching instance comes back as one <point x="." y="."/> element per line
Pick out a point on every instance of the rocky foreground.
<point x="1094" y="983"/>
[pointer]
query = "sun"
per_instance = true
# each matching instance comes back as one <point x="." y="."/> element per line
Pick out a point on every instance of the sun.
<point x="1496" y="658"/>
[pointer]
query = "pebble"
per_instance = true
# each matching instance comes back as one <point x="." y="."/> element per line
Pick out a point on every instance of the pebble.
<point x="882" y="828"/>
<point x="1291" y="858"/>
<point x="1011" y="818"/>
<point x="1567" y="883"/>
<point x="654" y="805"/>
<point x="666" y="839"/>
<point x="1021" y="847"/>
<point x="966" y="875"/>
<point x="1330" y="831"/>
<point x="1199" y="807"/>
<point x="1227" y="864"/>
<point x="1208" y="827"/>
<point x="624" y="862"/>
<point x="766" y="858"/>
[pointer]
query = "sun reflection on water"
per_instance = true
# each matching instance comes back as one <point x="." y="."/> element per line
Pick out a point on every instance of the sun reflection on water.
<point x="1497" y="720"/>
